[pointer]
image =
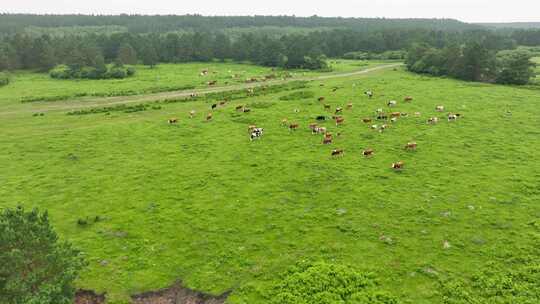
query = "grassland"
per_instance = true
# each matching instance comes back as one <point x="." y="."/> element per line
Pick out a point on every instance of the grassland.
<point x="199" y="202"/>
<point x="29" y="86"/>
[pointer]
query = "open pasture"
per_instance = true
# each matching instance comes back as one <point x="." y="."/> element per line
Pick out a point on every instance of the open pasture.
<point x="198" y="201"/>
<point x="28" y="86"/>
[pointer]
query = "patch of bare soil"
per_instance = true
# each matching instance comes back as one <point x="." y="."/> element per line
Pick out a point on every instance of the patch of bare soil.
<point x="177" y="294"/>
<point x="88" y="297"/>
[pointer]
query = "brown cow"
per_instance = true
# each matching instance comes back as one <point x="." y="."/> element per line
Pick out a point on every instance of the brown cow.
<point x="209" y="116"/>
<point x="327" y="140"/>
<point x="338" y="152"/>
<point x="327" y="135"/>
<point x="339" y="120"/>
<point x="173" y="120"/>
<point x="398" y="165"/>
<point x="366" y="120"/>
<point x="293" y="126"/>
<point x="408" y="99"/>
<point x="410" y="146"/>
<point x="312" y="126"/>
<point x="368" y="152"/>
<point x="395" y="114"/>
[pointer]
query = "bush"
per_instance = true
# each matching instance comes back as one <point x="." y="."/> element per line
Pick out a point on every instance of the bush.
<point x="27" y="238"/>
<point x="115" y="72"/>
<point x="323" y="283"/>
<point x="4" y="79"/>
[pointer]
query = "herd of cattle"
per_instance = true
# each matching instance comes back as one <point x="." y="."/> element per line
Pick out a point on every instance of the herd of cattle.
<point x="382" y="116"/>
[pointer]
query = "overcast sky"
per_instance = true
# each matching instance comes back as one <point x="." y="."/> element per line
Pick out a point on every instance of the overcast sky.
<point x="465" y="10"/>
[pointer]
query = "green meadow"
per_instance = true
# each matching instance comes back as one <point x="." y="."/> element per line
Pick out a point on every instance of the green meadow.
<point x="151" y="203"/>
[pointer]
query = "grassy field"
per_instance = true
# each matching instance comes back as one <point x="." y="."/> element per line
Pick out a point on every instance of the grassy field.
<point x="198" y="201"/>
<point x="165" y="77"/>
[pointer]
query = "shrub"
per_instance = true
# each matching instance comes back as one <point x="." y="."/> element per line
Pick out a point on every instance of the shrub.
<point x="116" y="72"/>
<point x="323" y="283"/>
<point x="4" y="79"/>
<point x="298" y="95"/>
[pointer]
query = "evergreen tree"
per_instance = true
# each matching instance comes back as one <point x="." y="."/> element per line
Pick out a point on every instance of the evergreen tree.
<point x="35" y="266"/>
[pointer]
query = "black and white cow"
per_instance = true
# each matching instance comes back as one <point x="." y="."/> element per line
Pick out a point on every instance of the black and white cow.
<point x="256" y="133"/>
<point x="369" y="93"/>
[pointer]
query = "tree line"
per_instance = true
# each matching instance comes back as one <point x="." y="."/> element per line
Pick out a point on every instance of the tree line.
<point x="472" y="61"/>
<point x="42" y="53"/>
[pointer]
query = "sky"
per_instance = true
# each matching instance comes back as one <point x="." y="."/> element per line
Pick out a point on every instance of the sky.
<point x="464" y="10"/>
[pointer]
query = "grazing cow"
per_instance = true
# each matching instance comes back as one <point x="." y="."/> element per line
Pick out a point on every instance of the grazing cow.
<point x="392" y="103"/>
<point x="191" y="113"/>
<point x="239" y="108"/>
<point x="408" y="99"/>
<point x="369" y="93"/>
<point x="327" y="107"/>
<point x="312" y="126"/>
<point x="192" y="95"/>
<point x="366" y="120"/>
<point x="382" y="116"/>
<point x="222" y="103"/>
<point x="213" y="82"/>
<point x="327" y="140"/>
<point x="318" y="130"/>
<point x="293" y="126"/>
<point x="327" y="135"/>
<point x="214" y="106"/>
<point x="349" y="106"/>
<point x="398" y="165"/>
<point x="439" y="108"/>
<point x="452" y="117"/>
<point x="374" y="127"/>
<point x="410" y="146"/>
<point x="338" y="152"/>
<point x="339" y="120"/>
<point x="393" y="119"/>
<point x="173" y="120"/>
<point x="383" y="127"/>
<point x="246" y="110"/>
<point x="256" y="133"/>
<point x="368" y="152"/>
<point x="395" y="114"/>
<point x="432" y="120"/>
<point x="204" y="72"/>
<point x="379" y="110"/>
<point x="339" y="110"/>
<point x="320" y="118"/>
<point x="320" y="98"/>
<point x="209" y="116"/>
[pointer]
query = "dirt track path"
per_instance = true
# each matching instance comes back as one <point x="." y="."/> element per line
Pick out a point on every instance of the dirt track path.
<point x="81" y="103"/>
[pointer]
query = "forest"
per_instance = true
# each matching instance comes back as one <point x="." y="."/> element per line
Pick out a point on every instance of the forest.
<point x="192" y="38"/>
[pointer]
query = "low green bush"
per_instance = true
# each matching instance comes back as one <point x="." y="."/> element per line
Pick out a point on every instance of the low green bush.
<point x="4" y="79"/>
<point x="323" y="283"/>
<point x="112" y="72"/>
